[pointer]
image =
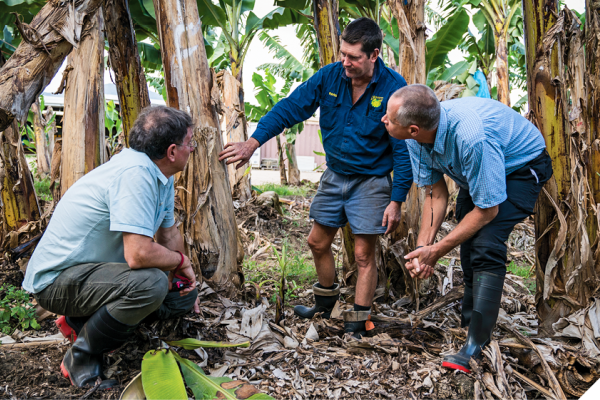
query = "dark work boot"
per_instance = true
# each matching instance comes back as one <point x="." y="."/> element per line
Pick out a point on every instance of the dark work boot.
<point x="325" y="300"/>
<point x="467" y="307"/>
<point x="355" y="322"/>
<point x="82" y="363"/>
<point x="487" y="293"/>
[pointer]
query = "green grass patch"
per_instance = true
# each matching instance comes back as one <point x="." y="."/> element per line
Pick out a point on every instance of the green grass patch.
<point x="42" y="189"/>
<point x="519" y="270"/>
<point x="283" y="190"/>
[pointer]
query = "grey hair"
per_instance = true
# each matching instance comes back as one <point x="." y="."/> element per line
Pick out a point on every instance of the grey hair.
<point x="419" y="106"/>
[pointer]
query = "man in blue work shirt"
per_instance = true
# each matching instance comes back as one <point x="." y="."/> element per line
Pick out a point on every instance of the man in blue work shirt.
<point x="356" y="187"/>
<point x="499" y="161"/>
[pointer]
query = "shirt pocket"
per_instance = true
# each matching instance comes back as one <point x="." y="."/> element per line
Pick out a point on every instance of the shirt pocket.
<point x="372" y="127"/>
<point x="329" y="114"/>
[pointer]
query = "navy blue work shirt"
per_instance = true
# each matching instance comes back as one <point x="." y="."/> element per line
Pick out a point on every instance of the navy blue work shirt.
<point x="354" y="138"/>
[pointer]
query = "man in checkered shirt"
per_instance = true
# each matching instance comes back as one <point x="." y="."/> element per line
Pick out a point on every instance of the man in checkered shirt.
<point x="499" y="161"/>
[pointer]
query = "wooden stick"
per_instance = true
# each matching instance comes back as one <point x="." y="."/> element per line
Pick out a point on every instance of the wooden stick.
<point x="10" y="346"/>
<point x="533" y="384"/>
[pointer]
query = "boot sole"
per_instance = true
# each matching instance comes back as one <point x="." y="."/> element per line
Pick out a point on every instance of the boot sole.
<point x="450" y="365"/>
<point x="65" y="373"/>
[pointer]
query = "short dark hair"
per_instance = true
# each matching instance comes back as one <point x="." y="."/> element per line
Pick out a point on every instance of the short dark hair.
<point x="158" y="127"/>
<point x="366" y="32"/>
<point x="420" y="107"/>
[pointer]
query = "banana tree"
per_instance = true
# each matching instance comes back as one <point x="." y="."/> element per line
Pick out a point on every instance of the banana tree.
<point x="499" y="15"/>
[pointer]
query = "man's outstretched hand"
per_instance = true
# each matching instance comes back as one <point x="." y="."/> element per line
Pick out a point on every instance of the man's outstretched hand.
<point x="239" y="151"/>
<point x="421" y="262"/>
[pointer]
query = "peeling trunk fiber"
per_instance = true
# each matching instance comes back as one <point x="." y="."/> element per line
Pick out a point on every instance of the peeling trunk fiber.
<point x="47" y="40"/>
<point x="124" y="60"/>
<point x="593" y="115"/>
<point x="236" y="131"/>
<point x="282" y="173"/>
<point x="411" y="16"/>
<point x="328" y="30"/>
<point x="83" y="125"/>
<point x="209" y="227"/>
<point x="565" y="274"/>
<point x="19" y="204"/>
<point x="502" y="68"/>
<point x="293" y="171"/>
<point x="48" y="113"/>
<point x="41" y="147"/>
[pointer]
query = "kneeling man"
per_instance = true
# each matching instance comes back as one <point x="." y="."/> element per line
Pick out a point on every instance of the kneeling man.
<point x="97" y="263"/>
<point x="499" y="161"/>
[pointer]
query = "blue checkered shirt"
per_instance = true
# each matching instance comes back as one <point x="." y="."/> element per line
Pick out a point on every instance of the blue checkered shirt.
<point x="478" y="143"/>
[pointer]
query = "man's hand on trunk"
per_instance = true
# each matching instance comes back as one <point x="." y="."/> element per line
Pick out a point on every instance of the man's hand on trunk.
<point x="239" y="151"/>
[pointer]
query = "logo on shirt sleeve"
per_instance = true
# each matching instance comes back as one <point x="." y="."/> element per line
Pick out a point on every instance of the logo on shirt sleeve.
<point x="376" y="101"/>
<point x="332" y="94"/>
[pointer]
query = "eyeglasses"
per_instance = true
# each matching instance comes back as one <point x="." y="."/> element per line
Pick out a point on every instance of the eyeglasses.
<point x="192" y="144"/>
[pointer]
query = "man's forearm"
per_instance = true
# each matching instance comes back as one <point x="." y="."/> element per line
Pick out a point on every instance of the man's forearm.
<point x="170" y="238"/>
<point x="432" y="221"/>
<point x="470" y="224"/>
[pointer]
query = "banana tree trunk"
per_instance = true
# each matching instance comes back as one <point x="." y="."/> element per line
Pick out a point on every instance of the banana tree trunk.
<point x="124" y="60"/>
<point x="50" y="37"/>
<point x="83" y="124"/>
<point x="565" y="274"/>
<point x="41" y="147"/>
<point x="236" y="130"/>
<point x="411" y="26"/>
<point x="592" y="29"/>
<point x="282" y="173"/>
<point x="502" y="67"/>
<point x="293" y="171"/>
<point x="209" y="227"/>
<point x="48" y="113"/>
<point x="327" y="25"/>
<point x="19" y="201"/>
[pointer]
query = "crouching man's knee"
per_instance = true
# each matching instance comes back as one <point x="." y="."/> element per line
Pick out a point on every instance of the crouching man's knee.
<point x="149" y="287"/>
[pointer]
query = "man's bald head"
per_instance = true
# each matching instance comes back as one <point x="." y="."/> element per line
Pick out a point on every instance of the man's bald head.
<point x="418" y="106"/>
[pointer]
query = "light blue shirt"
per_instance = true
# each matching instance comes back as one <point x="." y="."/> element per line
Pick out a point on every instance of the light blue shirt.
<point x="478" y="143"/>
<point x="127" y="194"/>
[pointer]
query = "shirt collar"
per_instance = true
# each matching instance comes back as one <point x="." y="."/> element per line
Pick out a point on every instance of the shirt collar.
<point x="440" y="135"/>
<point x="153" y="167"/>
<point x="379" y="65"/>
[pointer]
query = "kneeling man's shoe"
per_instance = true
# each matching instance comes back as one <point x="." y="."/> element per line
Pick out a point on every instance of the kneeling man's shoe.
<point x="487" y="293"/>
<point x="325" y="300"/>
<point x="357" y="322"/>
<point x="82" y="363"/>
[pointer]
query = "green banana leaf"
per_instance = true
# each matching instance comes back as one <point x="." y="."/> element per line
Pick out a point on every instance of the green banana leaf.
<point x="207" y="387"/>
<point x="446" y="39"/>
<point x="161" y="378"/>
<point x="455" y="70"/>
<point x="192" y="344"/>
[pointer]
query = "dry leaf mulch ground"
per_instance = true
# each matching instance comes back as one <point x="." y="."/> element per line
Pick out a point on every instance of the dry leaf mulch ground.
<point x="299" y="359"/>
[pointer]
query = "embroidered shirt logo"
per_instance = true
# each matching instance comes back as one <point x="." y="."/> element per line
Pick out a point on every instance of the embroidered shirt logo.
<point x="376" y="101"/>
<point x="332" y="94"/>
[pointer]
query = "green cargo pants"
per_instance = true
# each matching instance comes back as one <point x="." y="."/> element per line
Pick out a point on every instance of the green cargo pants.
<point x="130" y="295"/>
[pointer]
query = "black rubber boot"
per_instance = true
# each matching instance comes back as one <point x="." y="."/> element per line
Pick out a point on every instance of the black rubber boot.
<point x="82" y="363"/>
<point x="325" y="300"/>
<point x="467" y="307"/>
<point x="487" y="293"/>
<point x="355" y="322"/>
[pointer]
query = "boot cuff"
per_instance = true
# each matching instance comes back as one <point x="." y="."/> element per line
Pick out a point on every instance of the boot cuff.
<point x="356" y="316"/>
<point x="326" y="292"/>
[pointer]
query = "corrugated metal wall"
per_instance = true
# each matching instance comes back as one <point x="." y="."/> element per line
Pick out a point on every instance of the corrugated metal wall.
<point x="306" y="142"/>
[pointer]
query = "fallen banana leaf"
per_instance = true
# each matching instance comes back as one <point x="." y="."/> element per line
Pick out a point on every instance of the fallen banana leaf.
<point x="134" y="390"/>
<point x="161" y="378"/>
<point x="207" y="387"/>
<point x="192" y="344"/>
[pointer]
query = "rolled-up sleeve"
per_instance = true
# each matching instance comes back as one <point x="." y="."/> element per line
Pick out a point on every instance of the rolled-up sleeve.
<point x="403" y="175"/>
<point x="132" y="200"/>
<point x="297" y="107"/>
